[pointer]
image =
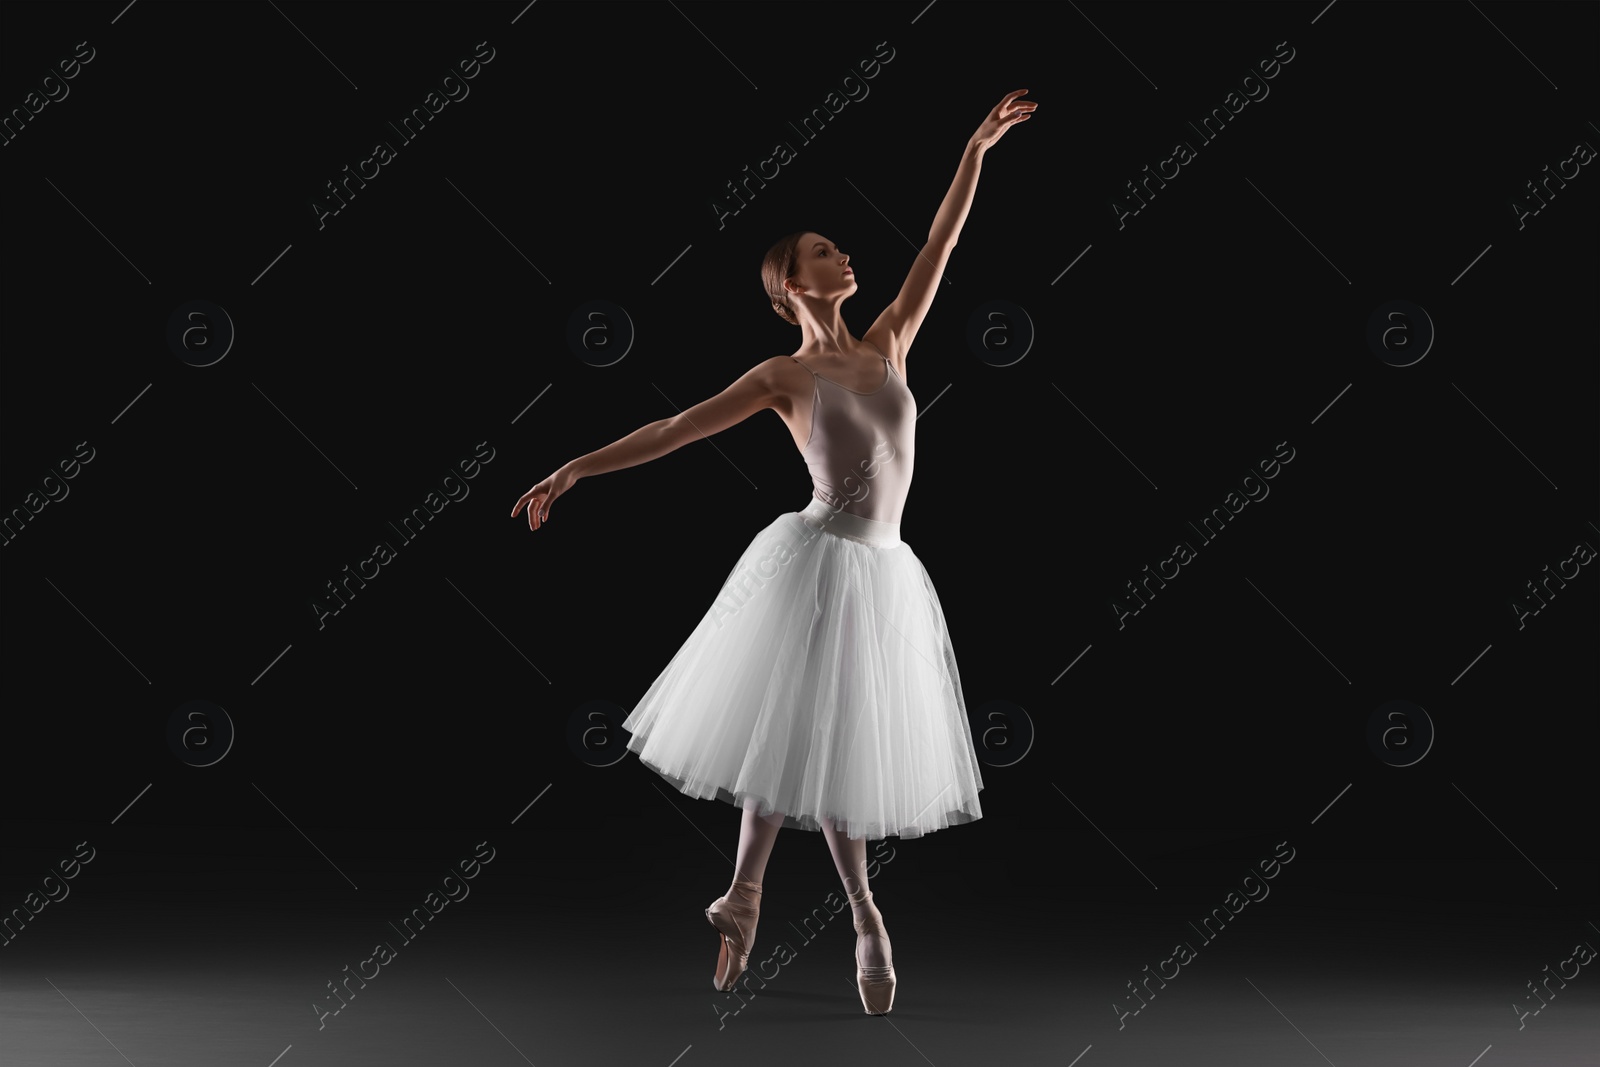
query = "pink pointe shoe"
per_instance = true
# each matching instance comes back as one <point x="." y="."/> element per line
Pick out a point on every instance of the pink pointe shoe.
<point x="735" y="922"/>
<point x="876" y="984"/>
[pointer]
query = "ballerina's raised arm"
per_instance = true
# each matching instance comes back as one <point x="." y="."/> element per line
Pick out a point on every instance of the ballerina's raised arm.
<point x="902" y="318"/>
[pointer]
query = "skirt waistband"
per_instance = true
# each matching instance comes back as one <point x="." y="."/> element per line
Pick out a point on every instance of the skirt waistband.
<point x="820" y="515"/>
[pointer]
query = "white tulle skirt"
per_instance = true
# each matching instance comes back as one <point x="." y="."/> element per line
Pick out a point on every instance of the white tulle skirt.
<point x="821" y="683"/>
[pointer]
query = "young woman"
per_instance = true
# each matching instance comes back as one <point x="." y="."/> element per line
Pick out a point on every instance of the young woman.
<point x="820" y="690"/>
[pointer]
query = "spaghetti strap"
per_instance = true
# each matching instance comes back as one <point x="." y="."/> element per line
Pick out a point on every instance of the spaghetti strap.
<point x="889" y="374"/>
<point x="886" y="359"/>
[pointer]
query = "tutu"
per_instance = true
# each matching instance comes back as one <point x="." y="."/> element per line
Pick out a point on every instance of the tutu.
<point x="821" y="683"/>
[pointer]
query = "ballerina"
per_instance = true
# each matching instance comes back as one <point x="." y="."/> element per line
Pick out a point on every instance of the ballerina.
<point x="820" y="689"/>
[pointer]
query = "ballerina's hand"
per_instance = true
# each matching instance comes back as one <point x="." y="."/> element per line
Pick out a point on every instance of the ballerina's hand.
<point x="538" y="499"/>
<point x="1007" y="113"/>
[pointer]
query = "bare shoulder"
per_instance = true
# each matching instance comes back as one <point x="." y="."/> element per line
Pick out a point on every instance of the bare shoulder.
<point x="784" y="376"/>
<point x="883" y="339"/>
<point x="772" y="371"/>
<point x="783" y="369"/>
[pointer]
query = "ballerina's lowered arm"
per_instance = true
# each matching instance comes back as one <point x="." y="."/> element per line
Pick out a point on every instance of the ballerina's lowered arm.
<point x="756" y="390"/>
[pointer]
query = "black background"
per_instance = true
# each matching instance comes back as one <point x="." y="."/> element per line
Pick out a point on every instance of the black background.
<point x="1182" y="347"/>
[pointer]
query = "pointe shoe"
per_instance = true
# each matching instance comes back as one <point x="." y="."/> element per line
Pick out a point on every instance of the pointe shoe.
<point x="735" y="923"/>
<point x="876" y="984"/>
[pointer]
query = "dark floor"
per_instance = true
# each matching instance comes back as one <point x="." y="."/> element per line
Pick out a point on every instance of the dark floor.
<point x="513" y="974"/>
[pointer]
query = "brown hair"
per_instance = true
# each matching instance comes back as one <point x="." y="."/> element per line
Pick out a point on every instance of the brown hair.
<point x="779" y="264"/>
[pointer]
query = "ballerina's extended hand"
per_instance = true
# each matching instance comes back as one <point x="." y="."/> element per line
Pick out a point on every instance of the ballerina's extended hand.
<point x="538" y="499"/>
<point x="1006" y="114"/>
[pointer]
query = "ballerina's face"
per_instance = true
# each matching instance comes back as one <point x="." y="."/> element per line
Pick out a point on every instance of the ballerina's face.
<point x="821" y="269"/>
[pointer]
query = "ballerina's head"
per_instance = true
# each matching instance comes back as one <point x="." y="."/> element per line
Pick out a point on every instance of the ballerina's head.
<point x="805" y="266"/>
